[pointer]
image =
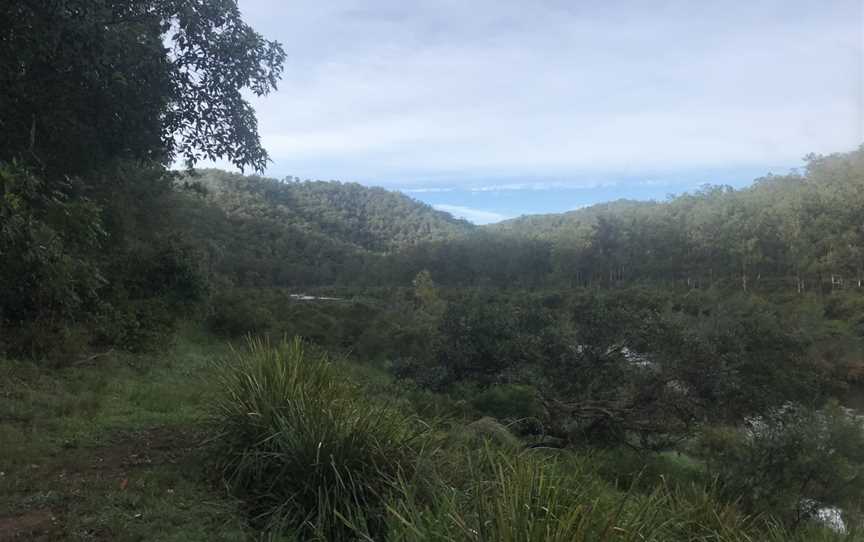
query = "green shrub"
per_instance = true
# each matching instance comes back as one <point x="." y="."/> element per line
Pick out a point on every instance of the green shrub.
<point x="508" y="401"/>
<point x="48" y="265"/>
<point x="136" y="326"/>
<point x="301" y="446"/>
<point x="59" y="343"/>
<point x="625" y="467"/>
<point x="791" y="462"/>
<point x="234" y="314"/>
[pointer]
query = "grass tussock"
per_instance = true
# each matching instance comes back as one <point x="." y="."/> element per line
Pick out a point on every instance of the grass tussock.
<point x="302" y="446"/>
<point x="530" y="497"/>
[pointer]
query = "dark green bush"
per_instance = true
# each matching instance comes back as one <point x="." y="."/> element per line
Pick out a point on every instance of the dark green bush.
<point x="790" y="462"/>
<point x="136" y="325"/>
<point x="48" y="270"/>
<point x="84" y="263"/>
<point x="508" y="401"/>
<point x="234" y="314"/>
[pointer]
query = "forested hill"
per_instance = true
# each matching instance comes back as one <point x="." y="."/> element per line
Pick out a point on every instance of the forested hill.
<point x="556" y="225"/>
<point x="257" y="231"/>
<point x="796" y="230"/>
<point x="369" y="218"/>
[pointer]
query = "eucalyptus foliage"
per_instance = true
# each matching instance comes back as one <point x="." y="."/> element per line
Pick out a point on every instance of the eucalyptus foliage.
<point x="85" y="82"/>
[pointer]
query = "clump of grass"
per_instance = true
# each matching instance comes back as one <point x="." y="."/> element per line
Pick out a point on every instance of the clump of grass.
<point x="508" y="497"/>
<point x="528" y="497"/>
<point x="301" y="446"/>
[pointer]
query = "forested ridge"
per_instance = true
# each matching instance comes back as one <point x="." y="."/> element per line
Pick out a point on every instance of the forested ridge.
<point x="794" y="230"/>
<point x="373" y="219"/>
<point x="267" y="232"/>
<point x="201" y="355"/>
<point x="798" y="231"/>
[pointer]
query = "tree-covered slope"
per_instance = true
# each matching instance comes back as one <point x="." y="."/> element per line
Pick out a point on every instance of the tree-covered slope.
<point x="372" y="219"/>
<point x="257" y="231"/>
<point x="800" y="230"/>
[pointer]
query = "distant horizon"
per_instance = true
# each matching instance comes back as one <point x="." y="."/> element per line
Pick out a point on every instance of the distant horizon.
<point x="488" y="201"/>
<point x="495" y="202"/>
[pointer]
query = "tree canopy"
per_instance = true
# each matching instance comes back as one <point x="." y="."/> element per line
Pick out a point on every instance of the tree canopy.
<point x="88" y="81"/>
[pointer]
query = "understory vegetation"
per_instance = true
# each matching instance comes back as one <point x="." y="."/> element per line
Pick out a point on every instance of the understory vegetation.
<point x="203" y="355"/>
<point x="384" y="474"/>
<point x="312" y="447"/>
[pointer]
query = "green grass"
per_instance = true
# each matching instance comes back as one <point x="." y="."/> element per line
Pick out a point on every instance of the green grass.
<point x="536" y="497"/>
<point x="111" y="449"/>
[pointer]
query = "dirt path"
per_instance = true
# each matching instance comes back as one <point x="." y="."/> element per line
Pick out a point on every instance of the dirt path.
<point x="77" y="472"/>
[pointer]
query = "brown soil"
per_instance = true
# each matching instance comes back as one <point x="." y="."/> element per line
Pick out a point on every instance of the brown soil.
<point x="31" y="525"/>
<point x="77" y="470"/>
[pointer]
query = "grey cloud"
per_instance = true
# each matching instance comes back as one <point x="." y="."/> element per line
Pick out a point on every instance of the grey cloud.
<point x="399" y="91"/>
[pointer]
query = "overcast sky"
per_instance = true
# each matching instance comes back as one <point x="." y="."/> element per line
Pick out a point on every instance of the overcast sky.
<point x="490" y="109"/>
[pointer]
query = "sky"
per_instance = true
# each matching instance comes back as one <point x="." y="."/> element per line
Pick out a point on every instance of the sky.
<point x="490" y="109"/>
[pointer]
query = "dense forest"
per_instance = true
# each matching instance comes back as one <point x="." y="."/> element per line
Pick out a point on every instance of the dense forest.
<point x="288" y="233"/>
<point x="193" y="354"/>
<point x="799" y="231"/>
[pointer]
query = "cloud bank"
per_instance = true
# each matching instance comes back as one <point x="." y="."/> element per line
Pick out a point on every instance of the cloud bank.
<point x="427" y="93"/>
